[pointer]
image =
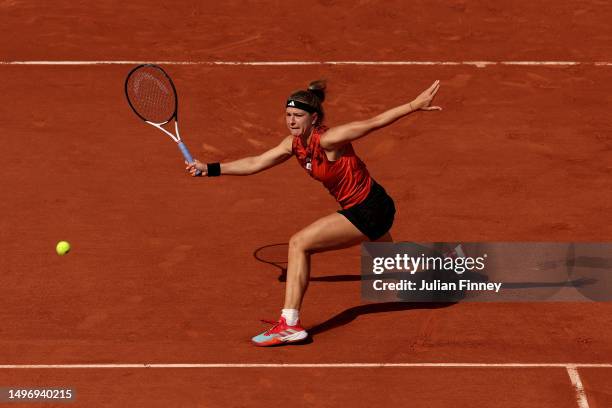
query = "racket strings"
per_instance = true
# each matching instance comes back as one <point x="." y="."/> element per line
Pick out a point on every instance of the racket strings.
<point x="152" y="95"/>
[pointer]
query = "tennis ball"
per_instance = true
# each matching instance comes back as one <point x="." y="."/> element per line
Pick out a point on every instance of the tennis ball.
<point x="62" y="247"/>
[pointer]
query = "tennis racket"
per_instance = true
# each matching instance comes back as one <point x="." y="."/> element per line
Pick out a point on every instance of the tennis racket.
<point x="152" y="96"/>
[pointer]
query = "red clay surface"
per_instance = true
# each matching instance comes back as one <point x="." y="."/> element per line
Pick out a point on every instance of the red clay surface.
<point x="387" y="387"/>
<point x="162" y="267"/>
<point x="319" y="30"/>
<point x="597" y="386"/>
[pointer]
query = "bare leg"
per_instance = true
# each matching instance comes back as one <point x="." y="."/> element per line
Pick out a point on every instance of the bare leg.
<point x="331" y="232"/>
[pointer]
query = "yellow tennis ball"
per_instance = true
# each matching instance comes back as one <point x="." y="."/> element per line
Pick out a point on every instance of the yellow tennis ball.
<point x="62" y="247"/>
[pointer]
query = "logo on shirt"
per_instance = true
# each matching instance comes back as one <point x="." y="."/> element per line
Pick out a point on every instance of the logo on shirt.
<point x="308" y="164"/>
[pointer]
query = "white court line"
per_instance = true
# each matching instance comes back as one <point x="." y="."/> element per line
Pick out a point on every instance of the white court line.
<point x="581" y="398"/>
<point x="567" y="366"/>
<point x="479" y="64"/>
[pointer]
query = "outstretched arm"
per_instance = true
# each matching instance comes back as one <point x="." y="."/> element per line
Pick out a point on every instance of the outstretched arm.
<point x="337" y="136"/>
<point x="249" y="165"/>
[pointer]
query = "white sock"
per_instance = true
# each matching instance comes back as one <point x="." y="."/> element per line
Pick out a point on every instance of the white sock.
<point x="291" y="316"/>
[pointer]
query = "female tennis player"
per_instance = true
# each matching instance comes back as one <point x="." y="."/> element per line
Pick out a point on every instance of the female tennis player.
<point x="327" y="155"/>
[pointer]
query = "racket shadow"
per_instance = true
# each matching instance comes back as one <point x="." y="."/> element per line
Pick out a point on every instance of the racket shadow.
<point x="276" y="255"/>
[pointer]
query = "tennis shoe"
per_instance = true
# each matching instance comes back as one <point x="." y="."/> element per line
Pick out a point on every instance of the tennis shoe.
<point x="280" y="333"/>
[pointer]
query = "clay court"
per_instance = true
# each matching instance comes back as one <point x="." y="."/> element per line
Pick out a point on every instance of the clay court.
<point x="157" y="301"/>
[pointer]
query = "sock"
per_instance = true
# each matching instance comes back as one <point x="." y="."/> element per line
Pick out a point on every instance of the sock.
<point x="291" y="316"/>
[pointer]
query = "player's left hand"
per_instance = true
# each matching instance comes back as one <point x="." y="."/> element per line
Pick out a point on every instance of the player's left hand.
<point x="423" y="101"/>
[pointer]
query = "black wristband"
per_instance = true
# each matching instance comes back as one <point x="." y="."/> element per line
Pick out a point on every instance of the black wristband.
<point x="213" y="169"/>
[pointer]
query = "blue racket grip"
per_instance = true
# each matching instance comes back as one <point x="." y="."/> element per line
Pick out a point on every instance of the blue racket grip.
<point x="187" y="156"/>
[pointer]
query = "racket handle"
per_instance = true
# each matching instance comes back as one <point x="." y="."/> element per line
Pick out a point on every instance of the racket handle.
<point x="187" y="156"/>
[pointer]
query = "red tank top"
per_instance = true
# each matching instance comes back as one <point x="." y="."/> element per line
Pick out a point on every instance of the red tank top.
<point x="347" y="179"/>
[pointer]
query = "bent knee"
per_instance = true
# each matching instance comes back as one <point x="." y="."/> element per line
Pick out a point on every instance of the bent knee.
<point x="299" y="242"/>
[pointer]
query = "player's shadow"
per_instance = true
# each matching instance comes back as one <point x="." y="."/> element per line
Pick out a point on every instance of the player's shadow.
<point x="348" y="315"/>
<point x="276" y="255"/>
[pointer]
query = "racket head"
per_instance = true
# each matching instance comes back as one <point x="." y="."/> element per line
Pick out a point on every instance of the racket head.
<point x="151" y="94"/>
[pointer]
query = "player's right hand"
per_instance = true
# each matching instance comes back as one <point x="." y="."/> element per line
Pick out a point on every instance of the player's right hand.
<point x="192" y="168"/>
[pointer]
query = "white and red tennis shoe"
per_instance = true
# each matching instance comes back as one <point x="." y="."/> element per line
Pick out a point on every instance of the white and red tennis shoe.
<point x="280" y="333"/>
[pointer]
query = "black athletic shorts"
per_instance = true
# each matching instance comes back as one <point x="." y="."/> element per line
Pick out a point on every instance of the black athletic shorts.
<point x="374" y="215"/>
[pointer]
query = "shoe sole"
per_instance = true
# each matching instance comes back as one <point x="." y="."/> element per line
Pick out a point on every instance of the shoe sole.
<point x="299" y="336"/>
<point x="293" y="338"/>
